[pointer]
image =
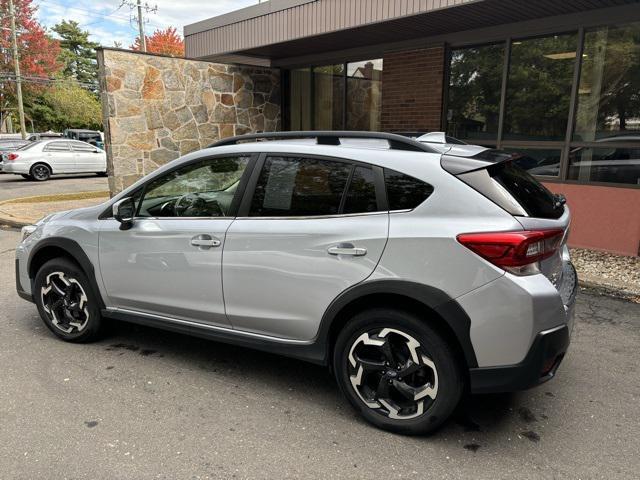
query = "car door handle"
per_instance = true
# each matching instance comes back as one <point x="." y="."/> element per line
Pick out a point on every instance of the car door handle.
<point x="205" y="241"/>
<point x="347" y="249"/>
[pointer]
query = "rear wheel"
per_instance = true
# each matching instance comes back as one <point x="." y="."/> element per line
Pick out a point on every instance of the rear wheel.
<point x="40" y="172"/>
<point x="66" y="302"/>
<point x="397" y="371"/>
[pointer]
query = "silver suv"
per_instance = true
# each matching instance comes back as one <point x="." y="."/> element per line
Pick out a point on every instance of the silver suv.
<point x="414" y="275"/>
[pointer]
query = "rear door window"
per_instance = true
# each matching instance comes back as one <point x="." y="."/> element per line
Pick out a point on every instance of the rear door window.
<point x="295" y="186"/>
<point x="57" y="147"/>
<point x="361" y="195"/>
<point x="405" y="192"/>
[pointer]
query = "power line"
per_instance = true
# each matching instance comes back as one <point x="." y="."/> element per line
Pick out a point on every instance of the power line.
<point x="140" y="19"/>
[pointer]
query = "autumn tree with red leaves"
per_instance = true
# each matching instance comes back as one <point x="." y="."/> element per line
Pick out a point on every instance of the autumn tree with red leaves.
<point x="37" y="51"/>
<point x="163" y="42"/>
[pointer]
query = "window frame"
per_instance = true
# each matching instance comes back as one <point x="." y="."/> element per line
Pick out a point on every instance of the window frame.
<point x="235" y="203"/>
<point x="68" y="150"/>
<point x="567" y="143"/>
<point x="378" y="176"/>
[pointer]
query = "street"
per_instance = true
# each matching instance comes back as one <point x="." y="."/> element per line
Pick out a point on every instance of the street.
<point x="14" y="186"/>
<point x="144" y="403"/>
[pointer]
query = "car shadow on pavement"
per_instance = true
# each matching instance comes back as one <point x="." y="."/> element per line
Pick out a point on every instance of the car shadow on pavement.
<point x="238" y="364"/>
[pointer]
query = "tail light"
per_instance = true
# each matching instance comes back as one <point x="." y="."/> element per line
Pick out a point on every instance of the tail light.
<point x="12" y="156"/>
<point x="517" y="252"/>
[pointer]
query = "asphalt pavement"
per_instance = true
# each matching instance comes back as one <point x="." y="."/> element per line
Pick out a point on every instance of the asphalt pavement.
<point x="143" y="403"/>
<point x="14" y="186"/>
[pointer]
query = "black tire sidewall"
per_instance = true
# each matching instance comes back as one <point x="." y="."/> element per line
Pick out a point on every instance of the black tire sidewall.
<point x="92" y="330"/>
<point x="450" y="384"/>
<point x="40" y="179"/>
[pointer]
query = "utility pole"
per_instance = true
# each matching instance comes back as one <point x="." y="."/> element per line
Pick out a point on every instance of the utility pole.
<point x="16" y="63"/>
<point x="143" y="40"/>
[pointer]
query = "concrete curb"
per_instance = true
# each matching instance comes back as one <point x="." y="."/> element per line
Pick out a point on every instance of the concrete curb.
<point x="17" y="222"/>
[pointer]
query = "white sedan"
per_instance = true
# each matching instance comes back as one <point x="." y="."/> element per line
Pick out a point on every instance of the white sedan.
<point x="39" y="160"/>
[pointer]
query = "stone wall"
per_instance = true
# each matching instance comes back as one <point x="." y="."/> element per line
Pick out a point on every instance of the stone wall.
<point x="157" y="108"/>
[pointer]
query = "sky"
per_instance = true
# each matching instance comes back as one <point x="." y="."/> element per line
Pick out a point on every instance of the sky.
<point x="108" y="22"/>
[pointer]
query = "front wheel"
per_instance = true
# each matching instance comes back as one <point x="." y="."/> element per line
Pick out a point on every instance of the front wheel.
<point x="397" y="371"/>
<point x="66" y="302"/>
<point x="40" y="172"/>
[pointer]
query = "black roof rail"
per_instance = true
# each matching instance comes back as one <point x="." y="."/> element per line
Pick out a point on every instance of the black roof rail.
<point x="396" y="142"/>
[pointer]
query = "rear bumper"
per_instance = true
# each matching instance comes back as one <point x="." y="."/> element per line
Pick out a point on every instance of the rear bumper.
<point x="540" y="365"/>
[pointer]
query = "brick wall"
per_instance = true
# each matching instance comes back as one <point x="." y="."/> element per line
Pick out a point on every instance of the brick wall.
<point x="412" y="88"/>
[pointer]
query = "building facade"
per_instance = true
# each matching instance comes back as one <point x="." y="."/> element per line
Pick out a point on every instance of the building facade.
<point x="555" y="82"/>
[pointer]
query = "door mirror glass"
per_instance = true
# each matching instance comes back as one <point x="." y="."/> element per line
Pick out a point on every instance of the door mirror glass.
<point x="123" y="211"/>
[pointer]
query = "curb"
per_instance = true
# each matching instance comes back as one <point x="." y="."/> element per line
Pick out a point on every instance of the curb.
<point x="17" y="222"/>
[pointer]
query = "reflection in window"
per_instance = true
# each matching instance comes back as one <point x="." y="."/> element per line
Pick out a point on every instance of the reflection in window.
<point x="328" y="97"/>
<point x="361" y="196"/>
<point x="299" y="187"/>
<point x="609" y="92"/>
<point x="474" y="92"/>
<point x="364" y="95"/>
<point x="607" y="164"/>
<point x="539" y="88"/>
<point x="538" y="161"/>
<point x="300" y="99"/>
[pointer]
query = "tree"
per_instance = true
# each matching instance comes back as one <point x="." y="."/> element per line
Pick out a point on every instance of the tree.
<point x="38" y="53"/>
<point x="163" y="42"/>
<point x="66" y="105"/>
<point x="78" y="53"/>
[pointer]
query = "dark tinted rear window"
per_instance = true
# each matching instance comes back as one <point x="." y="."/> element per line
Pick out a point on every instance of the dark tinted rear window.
<point x="405" y="192"/>
<point x="361" y="196"/>
<point x="534" y="198"/>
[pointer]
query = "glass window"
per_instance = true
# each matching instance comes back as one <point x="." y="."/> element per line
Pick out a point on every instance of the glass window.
<point x="405" y="192"/>
<point x="538" y="161"/>
<point x="202" y="189"/>
<point x="609" y="92"/>
<point x="299" y="187"/>
<point x="328" y="97"/>
<point x="609" y="163"/>
<point x="539" y="88"/>
<point x="364" y="95"/>
<point x="534" y="197"/>
<point x="57" y="147"/>
<point x="475" y="80"/>
<point x="83" y="147"/>
<point x="361" y="196"/>
<point x="300" y="99"/>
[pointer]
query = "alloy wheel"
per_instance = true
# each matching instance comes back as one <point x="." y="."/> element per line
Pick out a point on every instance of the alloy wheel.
<point x="65" y="302"/>
<point x="391" y="373"/>
<point x="40" y="172"/>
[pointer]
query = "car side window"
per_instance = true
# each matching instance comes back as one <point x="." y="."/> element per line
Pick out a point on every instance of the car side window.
<point x="361" y="195"/>
<point x="405" y="192"/>
<point x="201" y="189"/>
<point x="82" y="147"/>
<point x="294" y="186"/>
<point x="57" y="147"/>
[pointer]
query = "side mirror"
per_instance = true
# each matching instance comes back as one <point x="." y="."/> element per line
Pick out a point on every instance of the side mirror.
<point x="123" y="211"/>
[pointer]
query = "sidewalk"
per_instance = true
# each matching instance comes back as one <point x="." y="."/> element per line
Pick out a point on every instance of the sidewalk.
<point x="19" y="212"/>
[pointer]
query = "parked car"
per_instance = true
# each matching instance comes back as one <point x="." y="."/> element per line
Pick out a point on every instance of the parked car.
<point x="414" y="275"/>
<point x="93" y="137"/>
<point x="39" y="160"/>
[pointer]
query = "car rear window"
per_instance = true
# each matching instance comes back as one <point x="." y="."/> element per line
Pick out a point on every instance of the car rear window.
<point x="405" y="192"/>
<point x="534" y="197"/>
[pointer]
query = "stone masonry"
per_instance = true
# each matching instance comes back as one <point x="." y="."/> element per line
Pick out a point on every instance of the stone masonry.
<point x="157" y="108"/>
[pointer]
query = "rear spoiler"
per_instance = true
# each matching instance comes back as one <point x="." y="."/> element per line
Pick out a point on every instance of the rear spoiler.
<point x="468" y="158"/>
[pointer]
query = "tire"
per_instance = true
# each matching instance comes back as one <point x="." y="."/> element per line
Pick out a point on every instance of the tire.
<point x="74" y="317"/>
<point x="40" y="172"/>
<point x="380" y="393"/>
<point x="26" y="176"/>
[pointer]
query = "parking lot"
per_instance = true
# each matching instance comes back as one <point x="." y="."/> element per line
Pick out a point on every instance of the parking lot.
<point x="143" y="403"/>
<point x="14" y="186"/>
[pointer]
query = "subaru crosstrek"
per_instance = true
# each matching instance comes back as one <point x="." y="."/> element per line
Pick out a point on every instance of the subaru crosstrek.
<point x="415" y="275"/>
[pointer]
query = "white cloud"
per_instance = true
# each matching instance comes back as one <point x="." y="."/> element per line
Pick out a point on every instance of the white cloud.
<point x="108" y="24"/>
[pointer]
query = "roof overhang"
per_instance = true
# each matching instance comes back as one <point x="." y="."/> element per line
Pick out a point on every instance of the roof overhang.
<point x="293" y="28"/>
